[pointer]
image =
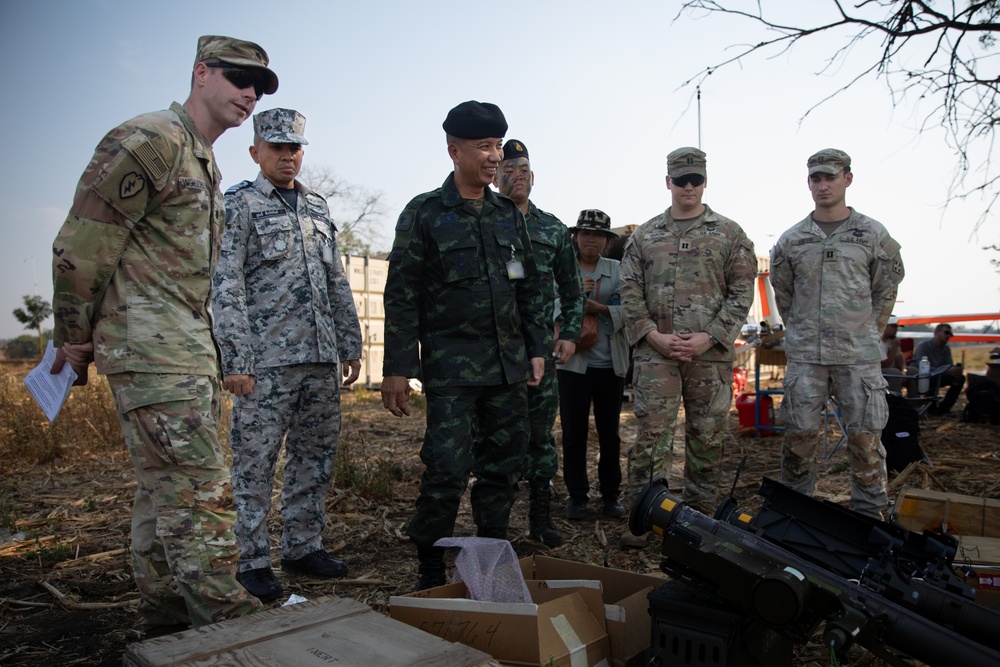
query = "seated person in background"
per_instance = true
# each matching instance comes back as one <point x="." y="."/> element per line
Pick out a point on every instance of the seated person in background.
<point x="893" y="361"/>
<point x="942" y="364"/>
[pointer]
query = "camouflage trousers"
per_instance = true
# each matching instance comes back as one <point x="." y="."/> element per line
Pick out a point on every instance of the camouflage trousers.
<point x="542" y="460"/>
<point x="478" y="430"/>
<point x="859" y="390"/>
<point x="706" y="389"/>
<point x="183" y="550"/>
<point x="300" y="406"/>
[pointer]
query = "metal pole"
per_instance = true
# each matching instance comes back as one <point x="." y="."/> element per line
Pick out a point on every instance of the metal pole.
<point x="698" y="89"/>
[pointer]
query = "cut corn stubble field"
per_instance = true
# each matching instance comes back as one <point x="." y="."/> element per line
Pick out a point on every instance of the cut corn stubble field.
<point x="66" y="590"/>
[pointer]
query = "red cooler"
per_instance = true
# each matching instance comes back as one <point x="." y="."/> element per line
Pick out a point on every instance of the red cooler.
<point x="745" y="404"/>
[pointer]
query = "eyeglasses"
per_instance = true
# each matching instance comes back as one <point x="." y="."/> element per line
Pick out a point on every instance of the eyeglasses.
<point x="694" y="179"/>
<point x="947" y="333"/>
<point x="241" y="78"/>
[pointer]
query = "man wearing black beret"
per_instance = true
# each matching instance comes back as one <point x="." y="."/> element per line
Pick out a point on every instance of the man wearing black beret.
<point x="465" y="313"/>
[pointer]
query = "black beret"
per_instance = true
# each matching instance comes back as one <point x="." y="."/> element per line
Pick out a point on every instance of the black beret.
<point x="475" y="120"/>
<point x="514" y="149"/>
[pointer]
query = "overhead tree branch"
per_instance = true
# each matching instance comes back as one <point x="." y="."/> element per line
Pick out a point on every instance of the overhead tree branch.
<point x="959" y="78"/>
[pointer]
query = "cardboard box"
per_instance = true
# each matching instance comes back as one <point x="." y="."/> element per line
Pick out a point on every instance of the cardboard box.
<point x="986" y="580"/>
<point x="324" y="631"/>
<point x="562" y="627"/>
<point x="988" y="586"/>
<point x="626" y="607"/>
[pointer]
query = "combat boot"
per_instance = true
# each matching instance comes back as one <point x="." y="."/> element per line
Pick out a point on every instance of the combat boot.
<point x="497" y="533"/>
<point x="430" y="571"/>
<point x="540" y="523"/>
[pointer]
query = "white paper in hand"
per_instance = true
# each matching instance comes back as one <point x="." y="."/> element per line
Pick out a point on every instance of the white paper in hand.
<point x="50" y="391"/>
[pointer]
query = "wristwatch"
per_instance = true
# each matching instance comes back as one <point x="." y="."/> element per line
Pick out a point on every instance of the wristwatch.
<point x="712" y="339"/>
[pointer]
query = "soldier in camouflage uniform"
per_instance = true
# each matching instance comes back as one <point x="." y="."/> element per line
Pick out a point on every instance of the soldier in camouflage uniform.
<point x="132" y="277"/>
<point x="465" y="312"/>
<point x="835" y="276"/>
<point x="687" y="285"/>
<point x="284" y="318"/>
<point x="552" y="248"/>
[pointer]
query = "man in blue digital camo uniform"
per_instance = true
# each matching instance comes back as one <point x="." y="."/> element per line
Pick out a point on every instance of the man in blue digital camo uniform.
<point x="552" y="247"/>
<point x="466" y="314"/>
<point x="835" y="276"/>
<point x="284" y="318"/>
<point x="132" y="276"/>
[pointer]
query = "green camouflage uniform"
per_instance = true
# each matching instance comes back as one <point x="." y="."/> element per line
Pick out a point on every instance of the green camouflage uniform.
<point x="284" y="314"/>
<point x="449" y="293"/>
<point x="552" y="247"/>
<point x="835" y="294"/>
<point x="676" y="282"/>
<point x="132" y="272"/>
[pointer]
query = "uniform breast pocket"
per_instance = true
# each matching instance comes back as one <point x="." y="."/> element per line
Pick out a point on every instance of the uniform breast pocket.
<point x="274" y="236"/>
<point x="460" y="259"/>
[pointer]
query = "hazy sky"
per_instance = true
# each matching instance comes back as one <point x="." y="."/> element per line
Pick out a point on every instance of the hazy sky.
<point x="592" y="89"/>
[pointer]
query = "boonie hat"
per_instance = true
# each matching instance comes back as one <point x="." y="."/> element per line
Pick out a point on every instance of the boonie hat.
<point x="475" y="120"/>
<point x="687" y="160"/>
<point x="828" y="161"/>
<point x="596" y="220"/>
<point x="240" y="53"/>
<point x="280" y="126"/>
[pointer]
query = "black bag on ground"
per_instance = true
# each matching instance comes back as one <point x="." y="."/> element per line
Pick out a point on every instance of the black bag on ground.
<point x="901" y="434"/>
<point x="983" y="403"/>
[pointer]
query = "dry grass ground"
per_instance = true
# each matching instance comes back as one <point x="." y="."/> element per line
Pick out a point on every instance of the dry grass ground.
<point x="66" y="591"/>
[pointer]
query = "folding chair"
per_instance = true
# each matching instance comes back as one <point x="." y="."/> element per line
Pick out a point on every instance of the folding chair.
<point x="923" y="403"/>
<point x="832" y="409"/>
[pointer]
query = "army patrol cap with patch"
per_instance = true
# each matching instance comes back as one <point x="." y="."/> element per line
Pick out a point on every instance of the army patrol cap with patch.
<point x="239" y="53"/>
<point x="514" y="149"/>
<point x="828" y="161"/>
<point x="684" y="161"/>
<point x="596" y="220"/>
<point x="475" y="120"/>
<point x="280" y="126"/>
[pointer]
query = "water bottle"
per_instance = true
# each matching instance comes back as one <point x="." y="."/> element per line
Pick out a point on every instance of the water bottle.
<point x="924" y="376"/>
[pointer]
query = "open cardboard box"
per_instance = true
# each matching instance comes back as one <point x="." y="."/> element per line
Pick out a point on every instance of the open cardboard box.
<point x="626" y="606"/>
<point x="563" y="627"/>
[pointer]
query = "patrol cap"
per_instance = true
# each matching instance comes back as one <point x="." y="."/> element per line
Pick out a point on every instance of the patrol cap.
<point x="280" y="126"/>
<point x="475" y="120"/>
<point x="239" y="53"/>
<point x="684" y="161"/>
<point x="828" y="161"/>
<point x="596" y="220"/>
<point x="514" y="149"/>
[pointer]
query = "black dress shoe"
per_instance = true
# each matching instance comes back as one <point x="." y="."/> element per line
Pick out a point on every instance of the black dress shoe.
<point x="318" y="564"/>
<point x="576" y="509"/>
<point x="613" y="509"/>
<point x="260" y="583"/>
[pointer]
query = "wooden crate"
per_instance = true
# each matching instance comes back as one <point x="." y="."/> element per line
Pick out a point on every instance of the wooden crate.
<point x="324" y="631"/>
<point x="921" y="509"/>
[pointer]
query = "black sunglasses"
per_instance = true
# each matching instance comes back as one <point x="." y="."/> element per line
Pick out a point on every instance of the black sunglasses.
<point x="241" y="78"/>
<point x="694" y="179"/>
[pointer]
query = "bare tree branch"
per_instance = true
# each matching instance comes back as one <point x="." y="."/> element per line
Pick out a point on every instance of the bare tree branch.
<point x="957" y="78"/>
<point x="355" y="210"/>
